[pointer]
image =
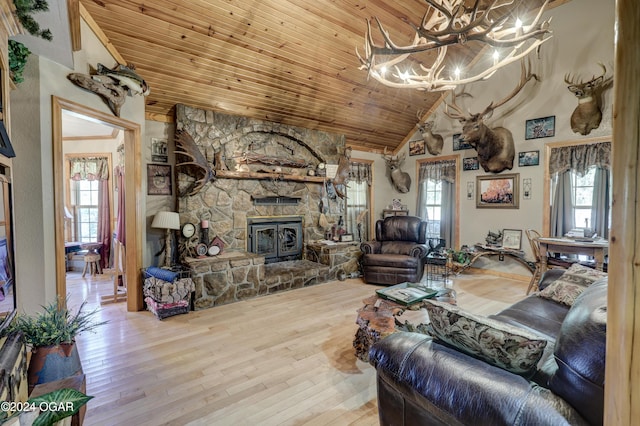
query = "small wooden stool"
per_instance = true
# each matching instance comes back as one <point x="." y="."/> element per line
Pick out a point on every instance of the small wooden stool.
<point x="92" y="261"/>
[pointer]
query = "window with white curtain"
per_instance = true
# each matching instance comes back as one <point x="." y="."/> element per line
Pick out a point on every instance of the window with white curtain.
<point x="84" y="200"/>
<point x="433" y="206"/>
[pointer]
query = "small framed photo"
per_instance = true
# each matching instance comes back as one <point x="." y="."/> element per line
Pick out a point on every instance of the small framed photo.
<point x="470" y="163"/>
<point x="458" y="145"/>
<point x="544" y="127"/>
<point x="416" y="147"/>
<point x="528" y="158"/>
<point x="158" y="179"/>
<point x="159" y="150"/>
<point x="498" y="191"/>
<point x="346" y="238"/>
<point x="512" y="239"/>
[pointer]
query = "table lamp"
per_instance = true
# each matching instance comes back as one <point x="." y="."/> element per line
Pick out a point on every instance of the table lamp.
<point x="169" y="221"/>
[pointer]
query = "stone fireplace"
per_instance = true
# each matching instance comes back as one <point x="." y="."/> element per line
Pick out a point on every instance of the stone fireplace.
<point x="262" y="203"/>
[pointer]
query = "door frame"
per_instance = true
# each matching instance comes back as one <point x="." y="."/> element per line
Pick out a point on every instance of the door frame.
<point x="133" y="184"/>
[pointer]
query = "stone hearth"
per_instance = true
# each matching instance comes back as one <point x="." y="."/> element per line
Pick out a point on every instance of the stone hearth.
<point x="234" y="276"/>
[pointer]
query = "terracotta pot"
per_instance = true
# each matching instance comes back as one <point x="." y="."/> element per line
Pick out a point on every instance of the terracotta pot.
<point x="50" y="363"/>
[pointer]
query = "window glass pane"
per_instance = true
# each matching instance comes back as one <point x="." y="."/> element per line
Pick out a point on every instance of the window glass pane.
<point x="584" y="196"/>
<point x="583" y="218"/>
<point x="85" y="198"/>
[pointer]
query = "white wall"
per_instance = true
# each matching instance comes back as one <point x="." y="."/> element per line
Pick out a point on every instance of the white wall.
<point x="582" y="37"/>
<point x="33" y="166"/>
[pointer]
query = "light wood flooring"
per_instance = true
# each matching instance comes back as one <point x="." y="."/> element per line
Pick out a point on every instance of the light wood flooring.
<point x="283" y="359"/>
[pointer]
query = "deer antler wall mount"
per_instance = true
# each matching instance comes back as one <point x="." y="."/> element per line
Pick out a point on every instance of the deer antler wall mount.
<point x="588" y="114"/>
<point x="494" y="146"/>
<point x="433" y="141"/>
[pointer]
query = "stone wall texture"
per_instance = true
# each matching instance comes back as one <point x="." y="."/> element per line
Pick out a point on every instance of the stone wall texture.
<point x="227" y="203"/>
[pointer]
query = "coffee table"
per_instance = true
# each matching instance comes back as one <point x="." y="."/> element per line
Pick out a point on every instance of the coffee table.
<point x="378" y="318"/>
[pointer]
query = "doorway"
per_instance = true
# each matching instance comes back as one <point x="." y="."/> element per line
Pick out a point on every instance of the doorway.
<point x="132" y="189"/>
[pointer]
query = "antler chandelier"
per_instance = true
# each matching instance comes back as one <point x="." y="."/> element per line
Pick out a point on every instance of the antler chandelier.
<point x="446" y="23"/>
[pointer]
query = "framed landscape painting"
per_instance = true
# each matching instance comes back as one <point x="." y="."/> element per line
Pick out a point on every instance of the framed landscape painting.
<point x="498" y="191"/>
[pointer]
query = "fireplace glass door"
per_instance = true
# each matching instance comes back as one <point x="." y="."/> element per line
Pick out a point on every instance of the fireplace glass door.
<point x="276" y="241"/>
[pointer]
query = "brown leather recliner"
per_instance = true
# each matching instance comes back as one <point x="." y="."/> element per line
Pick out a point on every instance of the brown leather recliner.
<point x="398" y="253"/>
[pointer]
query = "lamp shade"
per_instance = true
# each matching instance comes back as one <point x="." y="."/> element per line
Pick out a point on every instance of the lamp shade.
<point x="166" y="220"/>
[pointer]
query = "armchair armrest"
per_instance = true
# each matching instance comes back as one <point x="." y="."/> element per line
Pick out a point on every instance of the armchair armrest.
<point x="419" y="250"/>
<point x="426" y="382"/>
<point x="369" y="247"/>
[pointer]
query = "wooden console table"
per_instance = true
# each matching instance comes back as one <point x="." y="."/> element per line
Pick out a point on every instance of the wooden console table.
<point x="596" y="249"/>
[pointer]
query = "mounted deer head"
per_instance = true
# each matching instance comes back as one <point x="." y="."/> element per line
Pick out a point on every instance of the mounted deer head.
<point x="588" y="113"/>
<point x="494" y="145"/>
<point x="401" y="180"/>
<point x="434" y="142"/>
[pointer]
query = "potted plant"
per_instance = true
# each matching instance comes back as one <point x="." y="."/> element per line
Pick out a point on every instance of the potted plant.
<point x="51" y="335"/>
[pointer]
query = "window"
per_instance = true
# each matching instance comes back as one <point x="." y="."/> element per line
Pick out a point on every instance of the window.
<point x="358" y="202"/>
<point x="84" y="200"/>
<point x="582" y="197"/>
<point x="433" y="207"/>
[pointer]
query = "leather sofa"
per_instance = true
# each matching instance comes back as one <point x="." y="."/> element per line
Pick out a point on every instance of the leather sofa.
<point x="398" y="253"/>
<point x="422" y="381"/>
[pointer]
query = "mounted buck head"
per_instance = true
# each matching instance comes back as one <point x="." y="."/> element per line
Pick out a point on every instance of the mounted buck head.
<point x="588" y="113"/>
<point x="494" y="145"/>
<point x="400" y="180"/>
<point x="434" y="142"/>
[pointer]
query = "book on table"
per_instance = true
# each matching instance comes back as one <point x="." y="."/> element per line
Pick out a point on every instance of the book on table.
<point x="406" y="293"/>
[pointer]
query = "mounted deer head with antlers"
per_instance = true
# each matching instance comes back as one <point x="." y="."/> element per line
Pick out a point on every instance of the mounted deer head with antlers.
<point x="588" y="113"/>
<point x="401" y="180"/>
<point x="434" y="142"/>
<point x="494" y="145"/>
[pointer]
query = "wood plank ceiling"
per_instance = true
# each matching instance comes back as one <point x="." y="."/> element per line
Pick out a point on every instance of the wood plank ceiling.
<point x="287" y="61"/>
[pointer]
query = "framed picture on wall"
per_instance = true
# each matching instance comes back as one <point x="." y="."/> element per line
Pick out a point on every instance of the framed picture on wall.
<point x="470" y="163"/>
<point x="458" y="145"/>
<point x="498" y="191"/>
<point x="416" y="147"/>
<point x="159" y="150"/>
<point x="544" y="127"/>
<point x="512" y="239"/>
<point x="528" y="158"/>
<point x="158" y="179"/>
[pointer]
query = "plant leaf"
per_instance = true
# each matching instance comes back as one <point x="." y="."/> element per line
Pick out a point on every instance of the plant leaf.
<point x="66" y="402"/>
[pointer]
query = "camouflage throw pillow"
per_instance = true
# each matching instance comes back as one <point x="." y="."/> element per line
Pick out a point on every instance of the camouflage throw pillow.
<point x="500" y="344"/>
<point x="571" y="284"/>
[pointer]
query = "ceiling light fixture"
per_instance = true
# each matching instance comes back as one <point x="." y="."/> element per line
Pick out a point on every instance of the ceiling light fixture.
<point x="447" y="23"/>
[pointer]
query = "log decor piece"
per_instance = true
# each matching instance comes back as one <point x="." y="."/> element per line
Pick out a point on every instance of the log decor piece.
<point x="252" y="158"/>
<point x="228" y="174"/>
<point x="622" y="373"/>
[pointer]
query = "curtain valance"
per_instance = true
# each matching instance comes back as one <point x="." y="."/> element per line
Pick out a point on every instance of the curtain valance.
<point x="579" y="158"/>
<point x="89" y="168"/>
<point x="360" y="172"/>
<point x="437" y="171"/>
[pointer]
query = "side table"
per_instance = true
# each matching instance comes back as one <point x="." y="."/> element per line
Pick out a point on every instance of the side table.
<point x="379" y="317"/>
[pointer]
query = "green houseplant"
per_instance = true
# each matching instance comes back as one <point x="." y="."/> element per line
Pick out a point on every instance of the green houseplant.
<point x="51" y="335"/>
<point x="18" y="55"/>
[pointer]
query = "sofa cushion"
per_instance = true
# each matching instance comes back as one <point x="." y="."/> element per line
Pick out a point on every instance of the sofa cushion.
<point x="573" y="281"/>
<point x="390" y="260"/>
<point x="535" y="314"/>
<point x="580" y="353"/>
<point x="497" y="343"/>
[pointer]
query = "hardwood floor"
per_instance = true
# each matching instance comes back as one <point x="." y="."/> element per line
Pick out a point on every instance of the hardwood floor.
<point x="283" y="359"/>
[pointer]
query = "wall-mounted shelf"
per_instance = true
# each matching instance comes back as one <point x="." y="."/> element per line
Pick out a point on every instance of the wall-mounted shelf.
<point x="226" y="174"/>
